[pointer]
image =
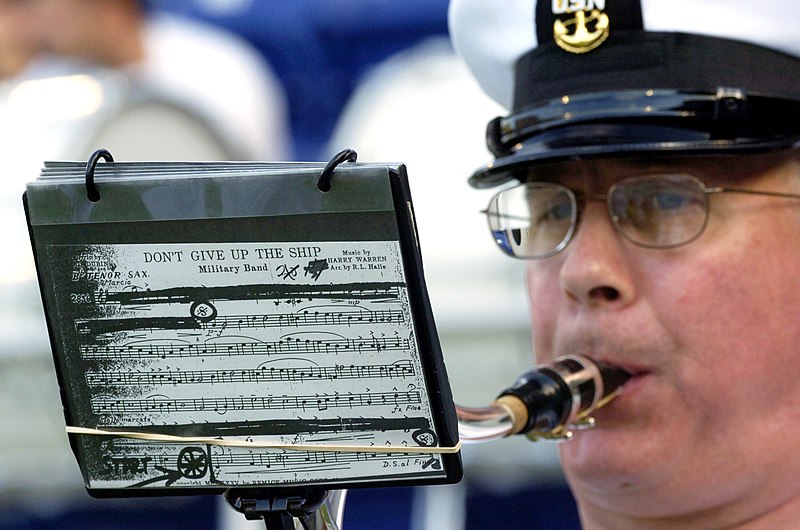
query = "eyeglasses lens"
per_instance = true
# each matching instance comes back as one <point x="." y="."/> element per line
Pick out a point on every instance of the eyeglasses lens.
<point x="659" y="211"/>
<point x="537" y="219"/>
<point x="533" y="220"/>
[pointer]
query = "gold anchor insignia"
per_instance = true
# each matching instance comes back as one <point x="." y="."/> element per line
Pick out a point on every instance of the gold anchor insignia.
<point x="581" y="40"/>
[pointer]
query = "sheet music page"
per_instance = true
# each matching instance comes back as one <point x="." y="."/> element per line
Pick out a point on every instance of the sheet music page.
<point x="291" y="343"/>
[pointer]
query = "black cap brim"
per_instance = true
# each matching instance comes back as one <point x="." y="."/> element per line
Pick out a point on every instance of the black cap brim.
<point x="667" y="123"/>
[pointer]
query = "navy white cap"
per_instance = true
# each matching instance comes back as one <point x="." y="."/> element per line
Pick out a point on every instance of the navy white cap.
<point x="618" y="77"/>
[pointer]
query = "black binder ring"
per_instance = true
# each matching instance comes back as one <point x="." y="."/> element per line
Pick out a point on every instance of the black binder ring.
<point x="346" y="155"/>
<point x="91" y="189"/>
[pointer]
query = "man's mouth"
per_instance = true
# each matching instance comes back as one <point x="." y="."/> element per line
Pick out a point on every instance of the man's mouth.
<point x="614" y="377"/>
<point x="622" y="377"/>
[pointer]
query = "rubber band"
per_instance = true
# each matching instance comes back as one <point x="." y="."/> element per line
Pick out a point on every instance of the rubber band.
<point x="227" y="442"/>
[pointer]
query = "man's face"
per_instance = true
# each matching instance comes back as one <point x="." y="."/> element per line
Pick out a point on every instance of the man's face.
<point x="69" y="24"/>
<point x="20" y="40"/>
<point x="711" y="331"/>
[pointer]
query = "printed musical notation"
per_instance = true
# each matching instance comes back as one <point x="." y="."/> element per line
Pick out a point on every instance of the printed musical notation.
<point x="197" y="462"/>
<point x="217" y="348"/>
<point x="223" y="340"/>
<point x="399" y="369"/>
<point x="240" y="322"/>
<point x="222" y="405"/>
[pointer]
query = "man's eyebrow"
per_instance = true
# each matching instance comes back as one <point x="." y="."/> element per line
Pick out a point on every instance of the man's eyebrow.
<point x="592" y="169"/>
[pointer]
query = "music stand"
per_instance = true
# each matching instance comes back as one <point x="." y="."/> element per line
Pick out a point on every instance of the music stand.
<point x="256" y="329"/>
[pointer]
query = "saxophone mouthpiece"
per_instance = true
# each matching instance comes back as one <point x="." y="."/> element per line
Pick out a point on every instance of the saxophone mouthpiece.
<point x="549" y="401"/>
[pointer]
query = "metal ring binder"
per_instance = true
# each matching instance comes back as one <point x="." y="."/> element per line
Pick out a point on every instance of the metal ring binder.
<point x="91" y="189"/>
<point x="346" y="155"/>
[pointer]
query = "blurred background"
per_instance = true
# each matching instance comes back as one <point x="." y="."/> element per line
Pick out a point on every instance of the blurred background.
<point x="262" y="80"/>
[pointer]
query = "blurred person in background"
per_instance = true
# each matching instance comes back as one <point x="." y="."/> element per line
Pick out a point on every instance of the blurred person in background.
<point x="19" y="42"/>
<point x="212" y="73"/>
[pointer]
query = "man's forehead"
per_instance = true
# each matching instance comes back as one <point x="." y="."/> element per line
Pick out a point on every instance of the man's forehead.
<point x="711" y="168"/>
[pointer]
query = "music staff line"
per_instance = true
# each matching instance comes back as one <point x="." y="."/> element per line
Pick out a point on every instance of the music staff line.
<point x="319" y="428"/>
<point x="222" y="405"/>
<point x="240" y="322"/>
<point x="400" y="369"/>
<point x="317" y="458"/>
<point x="173" y="295"/>
<point x="288" y="345"/>
<point x="275" y="457"/>
<point x="307" y="318"/>
<point x="129" y="442"/>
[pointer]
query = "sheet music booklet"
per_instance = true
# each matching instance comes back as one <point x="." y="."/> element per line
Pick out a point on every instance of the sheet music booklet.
<point x="229" y="325"/>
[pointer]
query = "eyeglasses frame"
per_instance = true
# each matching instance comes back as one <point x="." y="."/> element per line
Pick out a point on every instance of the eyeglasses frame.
<point x="576" y="201"/>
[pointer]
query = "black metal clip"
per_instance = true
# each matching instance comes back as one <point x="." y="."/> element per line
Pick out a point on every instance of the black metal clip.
<point x="91" y="188"/>
<point x="346" y="155"/>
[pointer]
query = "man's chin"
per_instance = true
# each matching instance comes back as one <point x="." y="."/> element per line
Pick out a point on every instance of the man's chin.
<point x="616" y="457"/>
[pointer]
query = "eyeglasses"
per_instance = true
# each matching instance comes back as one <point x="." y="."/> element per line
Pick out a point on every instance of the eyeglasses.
<point x="538" y="219"/>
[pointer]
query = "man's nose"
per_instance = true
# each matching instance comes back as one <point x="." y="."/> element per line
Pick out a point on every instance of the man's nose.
<point x="595" y="270"/>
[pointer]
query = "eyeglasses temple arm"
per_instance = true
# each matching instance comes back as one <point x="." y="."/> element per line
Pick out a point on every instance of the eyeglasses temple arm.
<point x="721" y="189"/>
